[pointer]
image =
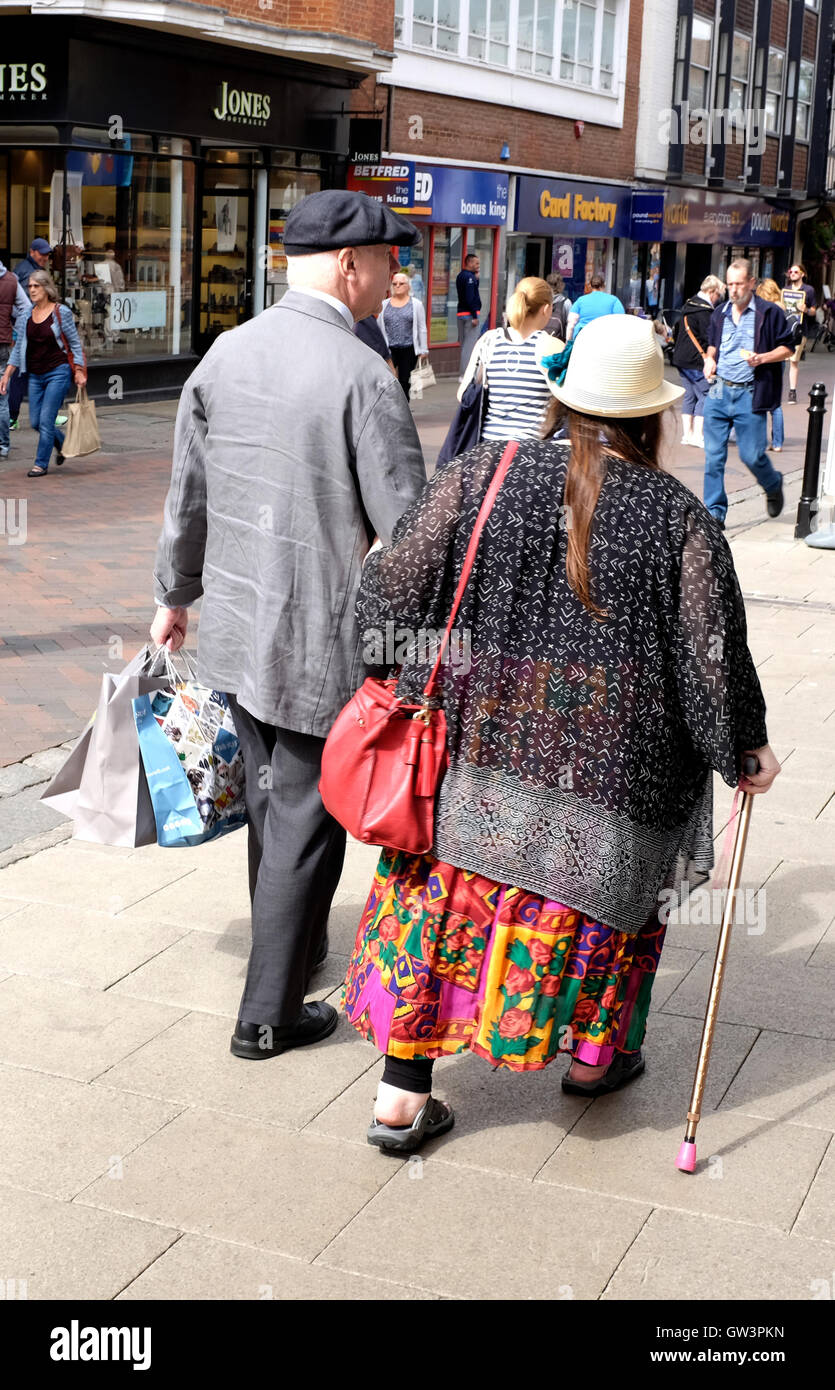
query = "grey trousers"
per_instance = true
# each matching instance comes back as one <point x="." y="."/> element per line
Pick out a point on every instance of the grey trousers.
<point x="296" y="851"/>
<point x="469" y="330"/>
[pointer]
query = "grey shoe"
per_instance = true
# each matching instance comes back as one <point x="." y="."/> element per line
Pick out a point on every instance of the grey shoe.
<point x="623" y="1068"/>
<point x="434" y="1118"/>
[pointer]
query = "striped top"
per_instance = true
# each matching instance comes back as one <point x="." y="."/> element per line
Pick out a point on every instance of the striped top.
<point x="518" y="394"/>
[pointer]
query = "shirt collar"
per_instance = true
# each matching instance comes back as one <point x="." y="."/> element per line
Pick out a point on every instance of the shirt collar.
<point x="328" y="299"/>
<point x="750" y="307"/>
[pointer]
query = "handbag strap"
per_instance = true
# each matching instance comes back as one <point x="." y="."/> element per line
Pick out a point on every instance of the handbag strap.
<point x="697" y="345"/>
<point x="466" y="569"/>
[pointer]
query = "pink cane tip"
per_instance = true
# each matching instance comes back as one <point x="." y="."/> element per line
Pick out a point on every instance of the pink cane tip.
<point x="686" y="1160"/>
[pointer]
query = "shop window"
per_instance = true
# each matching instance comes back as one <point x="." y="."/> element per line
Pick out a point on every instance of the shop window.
<point x="774" y="88"/>
<point x="30" y="181"/>
<point x="126" y="261"/>
<point x="446" y="263"/>
<point x="805" y="88"/>
<point x="413" y="261"/>
<point x="480" y="241"/>
<point x="100" y="135"/>
<point x="288" y="185"/>
<point x="4" y="203"/>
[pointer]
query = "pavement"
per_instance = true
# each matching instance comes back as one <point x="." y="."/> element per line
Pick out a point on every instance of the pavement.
<point x="139" y="1159"/>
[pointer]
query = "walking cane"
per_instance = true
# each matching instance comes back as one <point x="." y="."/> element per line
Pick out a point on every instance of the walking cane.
<point x="686" y="1159"/>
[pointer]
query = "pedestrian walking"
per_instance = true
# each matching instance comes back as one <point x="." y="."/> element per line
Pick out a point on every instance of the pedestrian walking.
<point x="403" y="325"/>
<point x="594" y="305"/>
<point x="504" y="362"/>
<point x="558" y="322"/>
<point x="36" y="259"/>
<point x="294" y="444"/>
<point x="13" y="304"/>
<point x="48" y="349"/>
<point x="469" y="308"/>
<point x="582" y="734"/>
<point x="770" y="290"/>
<point x="748" y="339"/>
<point x="799" y="298"/>
<point x="689" y="352"/>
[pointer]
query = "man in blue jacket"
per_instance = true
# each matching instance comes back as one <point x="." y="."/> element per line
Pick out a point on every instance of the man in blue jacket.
<point x="748" y="338"/>
<point x="469" y="308"/>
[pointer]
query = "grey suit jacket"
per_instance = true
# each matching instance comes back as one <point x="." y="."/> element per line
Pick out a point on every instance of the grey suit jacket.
<point x="287" y="433"/>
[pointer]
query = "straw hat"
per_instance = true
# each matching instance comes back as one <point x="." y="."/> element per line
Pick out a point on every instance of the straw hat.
<point x="616" y="367"/>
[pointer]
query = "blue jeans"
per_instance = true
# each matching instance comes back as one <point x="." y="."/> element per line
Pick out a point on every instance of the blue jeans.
<point x="727" y="408"/>
<point x="777" y="430"/>
<point x="46" y="392"/>
<point x="5" y="350"/>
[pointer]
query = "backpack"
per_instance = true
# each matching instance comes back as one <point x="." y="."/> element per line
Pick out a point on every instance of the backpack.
<point x="559" y="316"/>
<point x="794" y="323"/>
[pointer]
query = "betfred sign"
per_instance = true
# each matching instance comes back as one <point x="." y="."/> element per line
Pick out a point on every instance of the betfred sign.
<point x="392" y="183"/>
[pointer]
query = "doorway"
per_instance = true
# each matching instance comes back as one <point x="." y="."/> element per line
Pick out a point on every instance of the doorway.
<point x="226" y="247"/>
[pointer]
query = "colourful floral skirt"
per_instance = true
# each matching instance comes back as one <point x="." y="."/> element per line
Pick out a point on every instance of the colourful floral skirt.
<point x="447" y="960"/>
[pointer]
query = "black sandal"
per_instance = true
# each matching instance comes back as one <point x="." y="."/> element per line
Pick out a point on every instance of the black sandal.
<point x="622" y="1069"/>
<point x="433" y="1119"/>
<point x="37" y="473"/>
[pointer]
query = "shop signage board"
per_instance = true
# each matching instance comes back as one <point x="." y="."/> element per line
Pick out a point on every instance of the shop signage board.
<point x="565" y="208"/>
<point x="647" y="215"/>
<point x="701" y="215"/>
<point x="138" y="309"/>
<point x="436" y="192"/>
<point x="365" y="141"/>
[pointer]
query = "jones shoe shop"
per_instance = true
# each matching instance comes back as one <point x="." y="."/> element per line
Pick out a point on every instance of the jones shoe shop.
<point x="161" y="178"/>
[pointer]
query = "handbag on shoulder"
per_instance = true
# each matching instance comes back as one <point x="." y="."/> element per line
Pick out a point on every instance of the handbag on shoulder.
<point x="383" y="760"/>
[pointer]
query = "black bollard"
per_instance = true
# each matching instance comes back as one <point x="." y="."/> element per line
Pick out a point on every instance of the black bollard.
<point x="808" y="504"/>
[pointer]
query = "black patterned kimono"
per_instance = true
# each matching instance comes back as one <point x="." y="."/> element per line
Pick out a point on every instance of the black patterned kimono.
<point x="580" y="750"/>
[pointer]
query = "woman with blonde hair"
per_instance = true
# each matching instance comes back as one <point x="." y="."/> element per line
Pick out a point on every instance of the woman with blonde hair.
<point x="504" y="361"/>
<point x="582" y="732"/>
<point x="770" y="290"/>
<point x="48" y="349"/>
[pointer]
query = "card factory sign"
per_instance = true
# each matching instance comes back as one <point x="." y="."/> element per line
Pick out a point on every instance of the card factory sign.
<point x="247" y="108"/>
<point x="22" y="82"/>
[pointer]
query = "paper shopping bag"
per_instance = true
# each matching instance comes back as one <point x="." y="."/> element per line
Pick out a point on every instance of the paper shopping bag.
<point x="102" y="785"/>
<point x="193" y="763"/>
<point x="82" y="435"/>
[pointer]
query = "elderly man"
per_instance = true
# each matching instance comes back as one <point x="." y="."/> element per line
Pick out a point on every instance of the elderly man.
<point x="747" y="340"/>
<point x="294" y="444"/>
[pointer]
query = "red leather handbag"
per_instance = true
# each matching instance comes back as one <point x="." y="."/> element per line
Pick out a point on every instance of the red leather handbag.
<point x="384" y="760"/>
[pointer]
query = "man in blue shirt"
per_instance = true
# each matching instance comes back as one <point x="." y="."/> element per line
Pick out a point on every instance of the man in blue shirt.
<point x="747" y="340"/>
<point x="469" y="308"/>
<point x="592" y="306"/>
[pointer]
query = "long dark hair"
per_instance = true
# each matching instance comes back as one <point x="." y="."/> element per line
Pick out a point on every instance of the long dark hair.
<point x="637" y="439"/>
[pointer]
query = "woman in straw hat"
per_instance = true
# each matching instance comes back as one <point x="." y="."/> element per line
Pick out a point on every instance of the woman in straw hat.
<point x="603" y="675"/>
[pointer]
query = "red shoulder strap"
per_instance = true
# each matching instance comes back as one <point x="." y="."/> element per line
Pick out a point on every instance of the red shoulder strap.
<point x="466" y="569"/>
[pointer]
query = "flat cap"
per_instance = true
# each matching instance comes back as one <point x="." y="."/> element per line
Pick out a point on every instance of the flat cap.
<point x="335" y="218"/>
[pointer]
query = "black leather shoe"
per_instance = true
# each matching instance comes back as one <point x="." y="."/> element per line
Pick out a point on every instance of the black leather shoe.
<point x="257" y="1041"/>
<point x="774" y="501"/>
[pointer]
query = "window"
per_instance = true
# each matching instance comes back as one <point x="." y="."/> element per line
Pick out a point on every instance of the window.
<point x="700" y="46"/>
<point x="571" y="40"/>
<point x="436" y="24"/>
<point x="774" y="89"/>
<point x="804" y="99"/>
<point x="740" y="64"/>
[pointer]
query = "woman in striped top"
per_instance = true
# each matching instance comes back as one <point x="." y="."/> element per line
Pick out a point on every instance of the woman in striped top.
<point x="505" y="360"/>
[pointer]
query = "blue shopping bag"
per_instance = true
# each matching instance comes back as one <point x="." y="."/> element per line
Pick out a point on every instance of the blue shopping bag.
<point x="193" y="763"/>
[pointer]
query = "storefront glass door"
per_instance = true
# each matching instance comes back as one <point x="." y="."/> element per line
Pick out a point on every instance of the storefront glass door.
<point x="226" y="251"/>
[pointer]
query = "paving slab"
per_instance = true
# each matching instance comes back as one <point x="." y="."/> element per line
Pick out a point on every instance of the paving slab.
<point x="817" y="1216"/>
<point x="59" y="1135"/>
<point x="787" y="1077"/>
<point x="762" y="993"/>
<point x="824" y="952"/>
<point x="486" y="1236"/>
<point x="64" y="1251"/>
<point x="8" y="906"/>
<point x="190" y="1064"/>
<point x="787" y="917"/>
<point x="220" y="1175"/>
<point x="93" y="876"/>
<point x="46" y="1025"/>
<point x="86" y="948"/>
<point x="684" y="1257"/>
<point x="201" y="970"/>
<point x="211" y="904"/>
<point x="199" y="1268"/>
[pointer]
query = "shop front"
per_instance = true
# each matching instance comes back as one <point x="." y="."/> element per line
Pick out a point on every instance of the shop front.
<point x="704" y="230"/>
<point x="460" y="212"/>
<point x="569" y="227"/>
<point x="162" y="180"/>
